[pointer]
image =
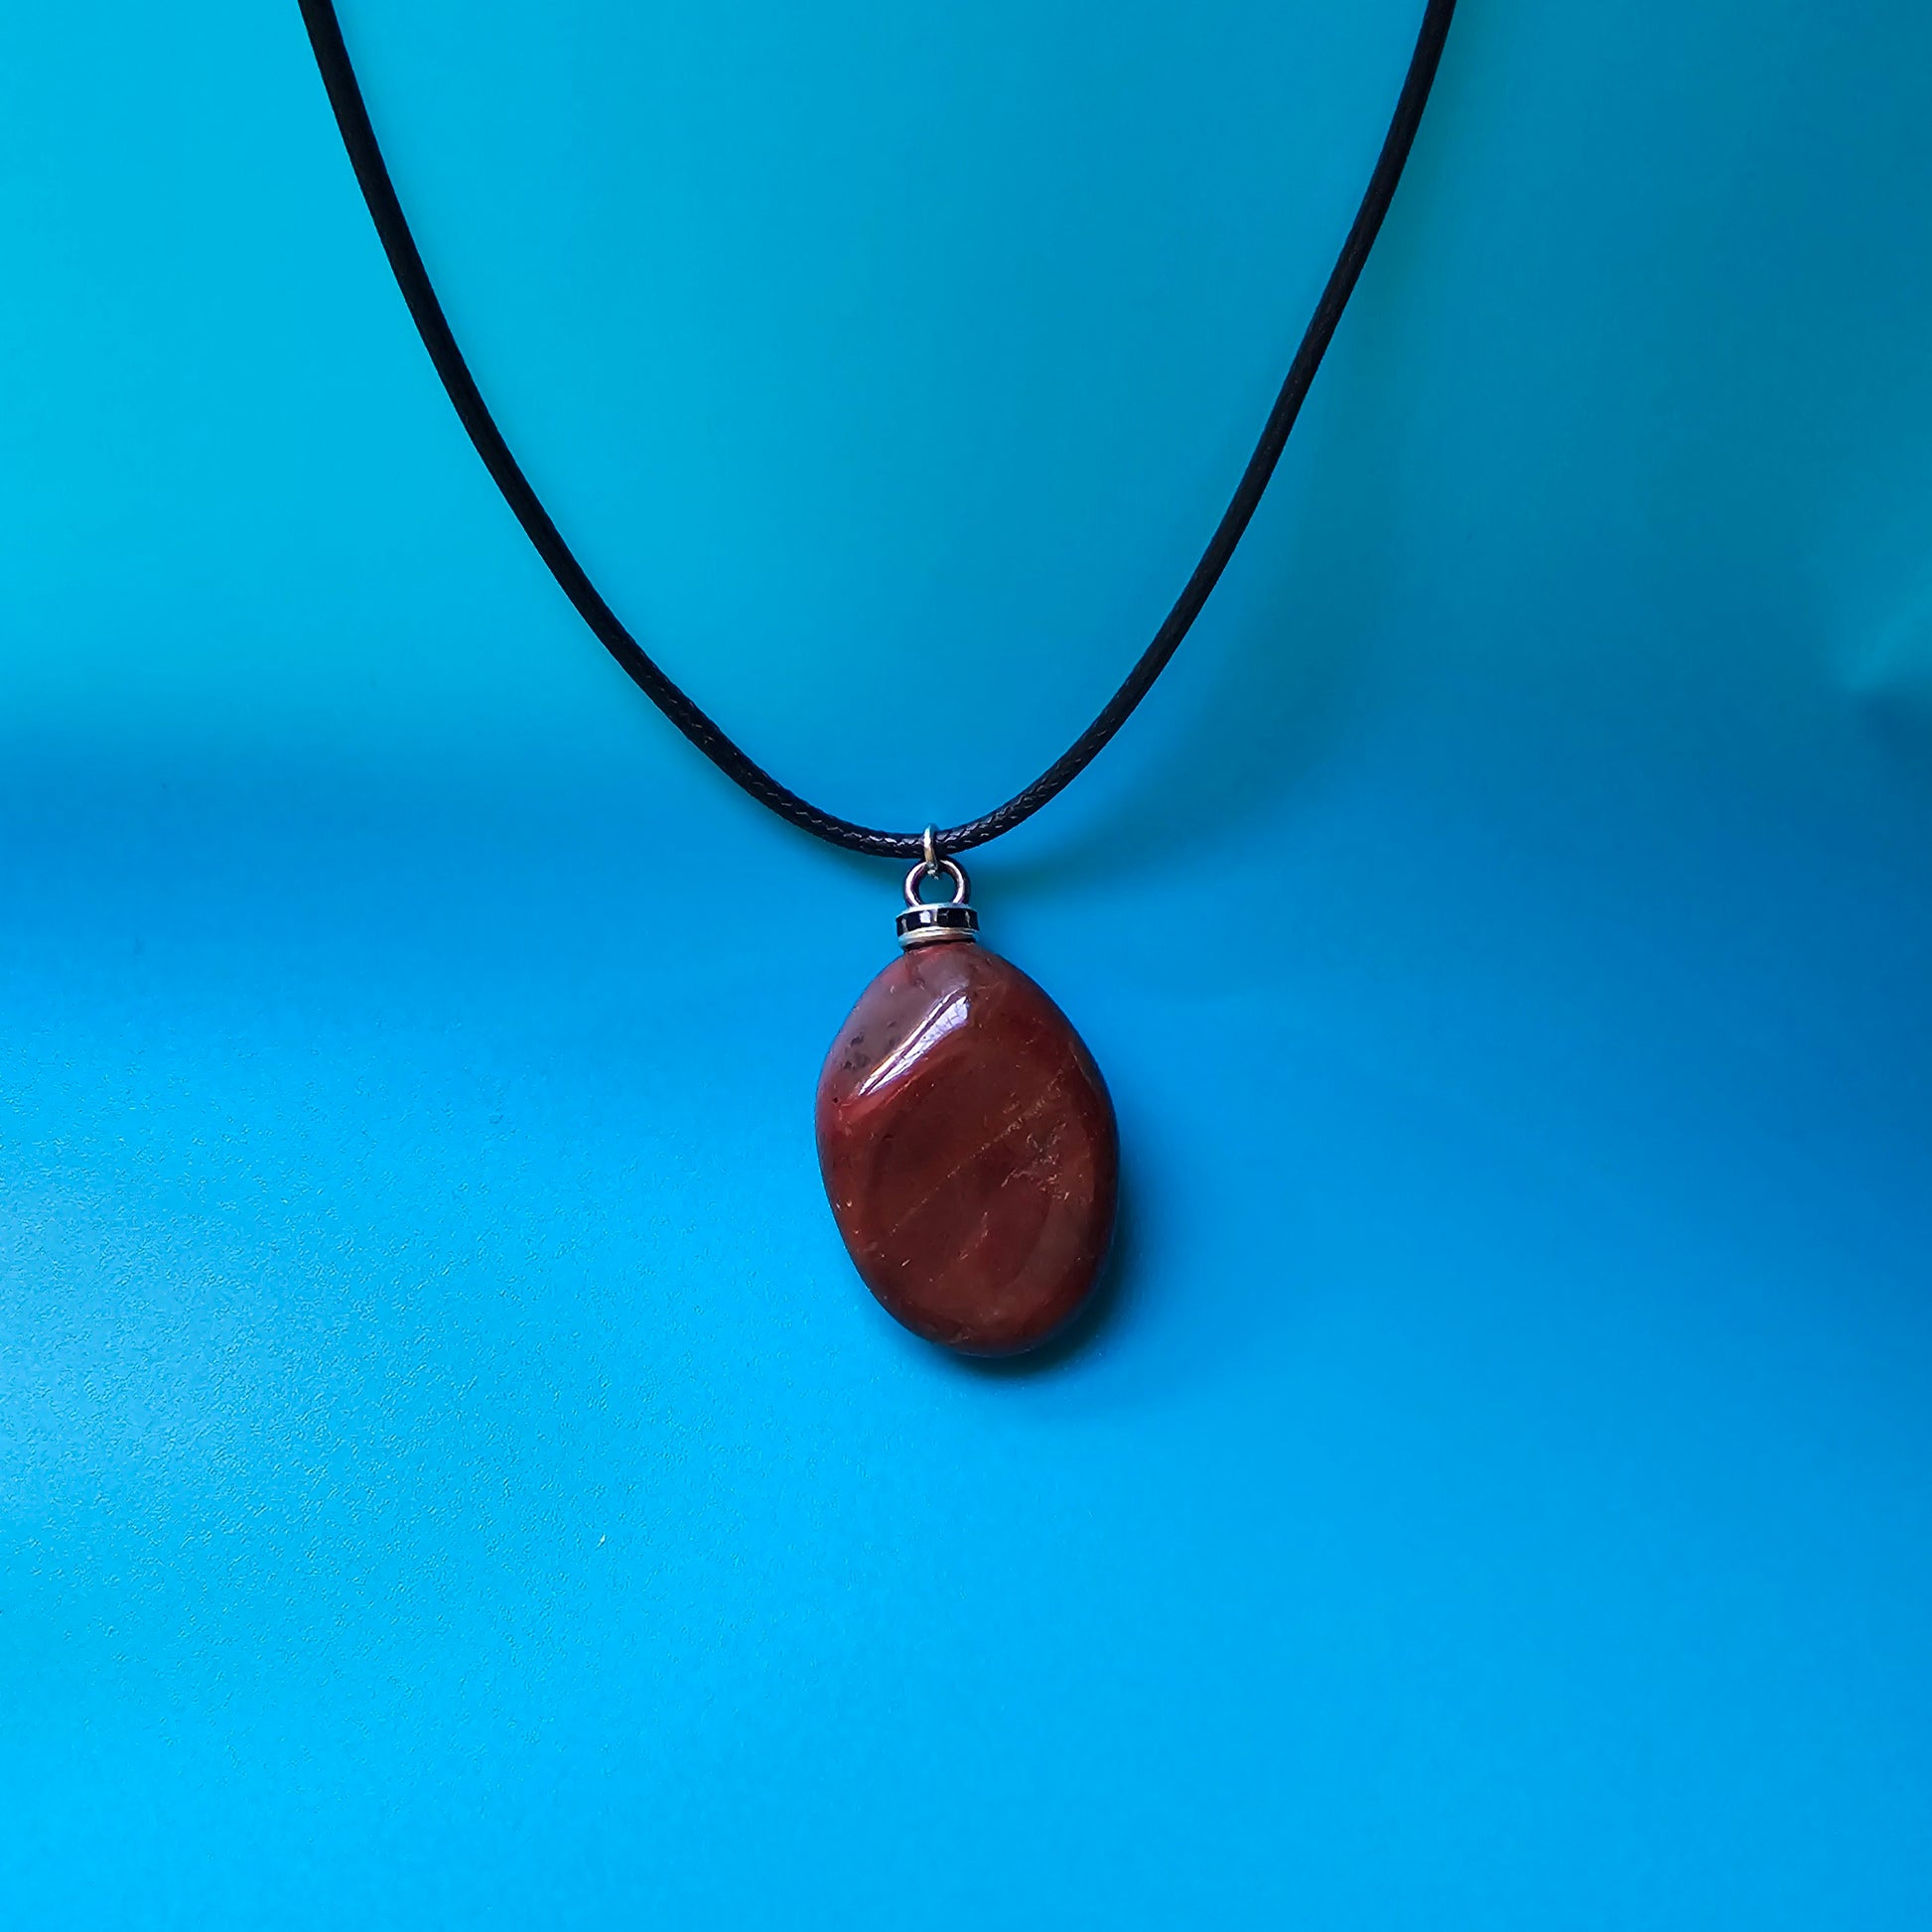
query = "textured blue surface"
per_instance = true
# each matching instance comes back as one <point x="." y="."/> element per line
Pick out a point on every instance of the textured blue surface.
<point x="449" y="1474"/>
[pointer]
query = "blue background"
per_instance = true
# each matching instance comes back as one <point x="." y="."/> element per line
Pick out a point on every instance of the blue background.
<point x="450" y="1475"/>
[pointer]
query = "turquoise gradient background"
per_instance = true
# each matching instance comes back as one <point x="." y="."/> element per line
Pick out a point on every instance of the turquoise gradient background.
<point x="449" y="1473"/>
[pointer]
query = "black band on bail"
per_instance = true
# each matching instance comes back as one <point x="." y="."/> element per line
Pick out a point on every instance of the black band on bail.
<point x="919" y="925"/>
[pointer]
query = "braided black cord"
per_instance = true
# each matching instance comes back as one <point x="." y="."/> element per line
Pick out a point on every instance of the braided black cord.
<point x="371" y="172"/>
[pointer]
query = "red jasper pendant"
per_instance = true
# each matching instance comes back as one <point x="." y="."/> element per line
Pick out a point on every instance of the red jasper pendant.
<point x="966" y="1138"/>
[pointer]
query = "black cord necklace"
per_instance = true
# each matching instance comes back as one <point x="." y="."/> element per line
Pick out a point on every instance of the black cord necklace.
<point x="966" y="1136"/>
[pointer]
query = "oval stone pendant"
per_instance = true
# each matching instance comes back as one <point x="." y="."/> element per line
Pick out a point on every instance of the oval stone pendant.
<point x="967" y="1141"/>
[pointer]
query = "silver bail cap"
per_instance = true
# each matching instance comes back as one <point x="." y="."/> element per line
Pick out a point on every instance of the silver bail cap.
<point x="923" y="925"/>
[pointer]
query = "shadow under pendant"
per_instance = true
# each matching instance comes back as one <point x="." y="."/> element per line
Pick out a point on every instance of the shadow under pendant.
<point x="967" y="1140"/>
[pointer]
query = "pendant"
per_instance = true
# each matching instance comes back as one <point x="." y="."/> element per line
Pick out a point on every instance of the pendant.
<point x="966" y="1138"/>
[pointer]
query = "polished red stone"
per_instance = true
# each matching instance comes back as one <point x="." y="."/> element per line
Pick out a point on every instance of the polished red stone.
<point x="969" y="1149"/>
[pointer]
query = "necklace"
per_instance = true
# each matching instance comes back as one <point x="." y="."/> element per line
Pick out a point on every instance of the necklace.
<point x="965" y="1136"/>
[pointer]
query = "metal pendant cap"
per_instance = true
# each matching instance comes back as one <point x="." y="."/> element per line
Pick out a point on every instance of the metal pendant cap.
<point x="923" y="925"/>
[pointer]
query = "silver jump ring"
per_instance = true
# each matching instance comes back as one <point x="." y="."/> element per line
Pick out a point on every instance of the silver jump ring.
<point x="931" y="869"/>
<point x="932" y="852"/>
